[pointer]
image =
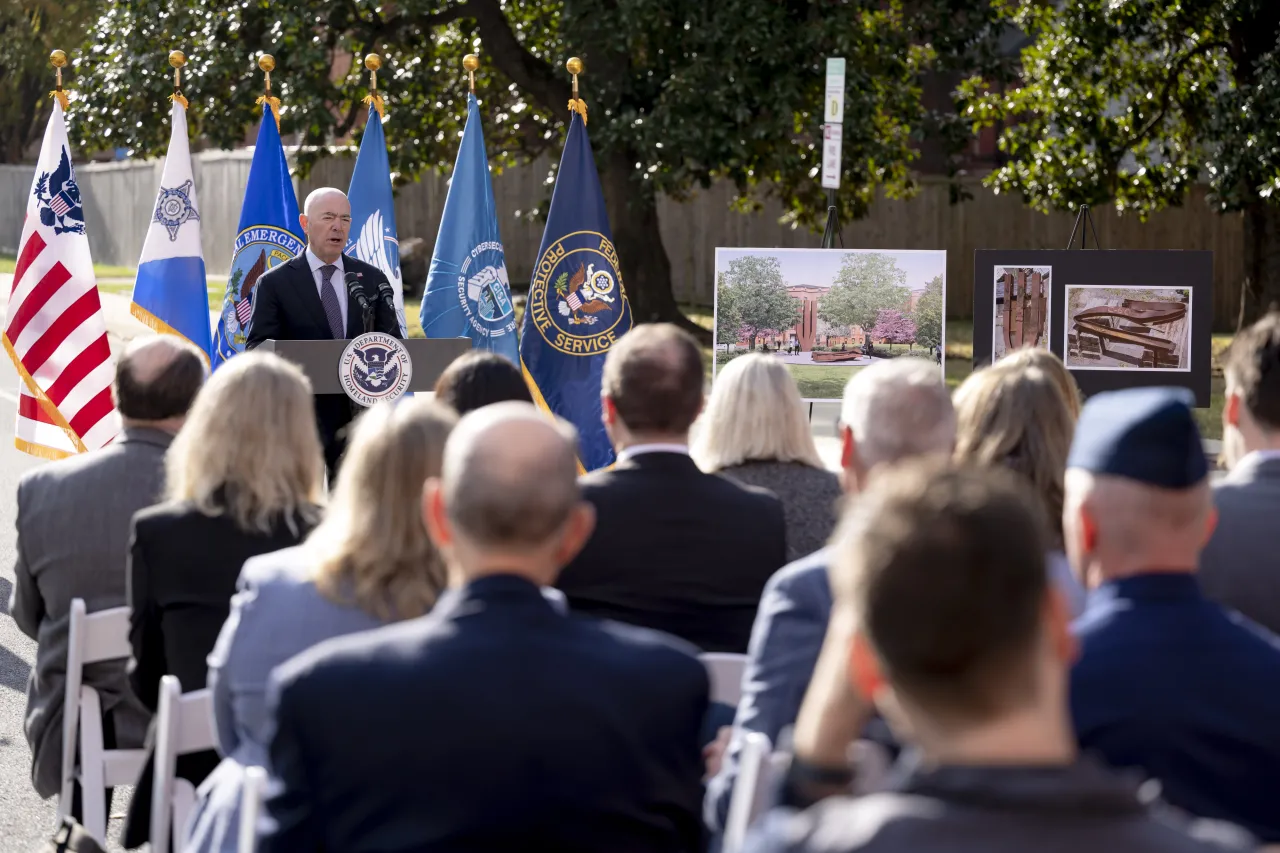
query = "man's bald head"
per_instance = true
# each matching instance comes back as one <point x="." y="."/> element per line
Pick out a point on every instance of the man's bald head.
<point x="325" y="197"/>
<point x="157" y="379"/>
<point x="509" y="477"/>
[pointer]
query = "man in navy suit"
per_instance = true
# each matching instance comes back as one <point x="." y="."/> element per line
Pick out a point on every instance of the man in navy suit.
<point x="1168" y="683"/>
<point x="317" y="297"/>
<point x="496" y="722"/>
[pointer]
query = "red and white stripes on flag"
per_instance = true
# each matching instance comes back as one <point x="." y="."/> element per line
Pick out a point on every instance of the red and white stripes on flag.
<point x="54" y="328"/>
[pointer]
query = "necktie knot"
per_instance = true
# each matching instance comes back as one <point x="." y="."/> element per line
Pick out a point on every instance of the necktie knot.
<point x="328" y="270"/>
<point x="329" y="299"/>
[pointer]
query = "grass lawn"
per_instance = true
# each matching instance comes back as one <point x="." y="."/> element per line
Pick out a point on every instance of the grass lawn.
<point x="8" y="263"/>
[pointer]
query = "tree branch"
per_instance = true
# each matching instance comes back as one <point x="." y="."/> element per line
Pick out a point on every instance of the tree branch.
<point x="534" y="76"/>
<point x="1167" y="90"/>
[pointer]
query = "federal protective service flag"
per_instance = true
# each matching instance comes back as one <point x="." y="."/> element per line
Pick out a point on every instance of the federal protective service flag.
<point x="373" y="213"/>
<point x="577" y="307"/>
<point x="170" y="294"/>
<point x="468" y="294"/>
<point x="267" y="237"/>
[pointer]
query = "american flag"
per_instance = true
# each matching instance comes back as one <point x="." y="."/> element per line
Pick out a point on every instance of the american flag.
<point x="54" y="329"/>
<point x="244" y="310"/>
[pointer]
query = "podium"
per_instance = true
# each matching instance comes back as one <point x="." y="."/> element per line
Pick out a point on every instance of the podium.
<point x="319" y="360"/>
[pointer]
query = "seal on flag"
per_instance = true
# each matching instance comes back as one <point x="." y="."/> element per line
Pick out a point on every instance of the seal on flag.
<point x="174" y="207"/>
<point x="579" y="275"/>
<point x="257" y="249"/>
<point x="59" y="198"/>
<point x="484" y="291"/>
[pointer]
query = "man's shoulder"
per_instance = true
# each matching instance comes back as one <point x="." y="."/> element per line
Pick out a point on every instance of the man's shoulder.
<point x="83" y="471"/>
<point x="359" y="658"/>
<point x="294" y="266"/>
<point x="365" y="270"/>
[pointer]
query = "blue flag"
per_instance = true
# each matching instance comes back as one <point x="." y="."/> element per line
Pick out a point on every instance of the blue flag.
<point x="577" y="307"/>
<point x="268" y="236"/>
<point x="373" y="213"/>
<point x="171" y="292"/>
<point x="468" y="294"/>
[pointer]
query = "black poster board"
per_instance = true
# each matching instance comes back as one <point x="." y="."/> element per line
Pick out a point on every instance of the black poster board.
<point x="1124" y="333"/>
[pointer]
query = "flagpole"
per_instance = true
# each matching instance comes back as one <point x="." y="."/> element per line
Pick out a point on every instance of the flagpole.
<point x="177" y="59"/>
<point x="575" y="67"/>
<point x="373" y="62"/>
<point x="471" y="62"/>
<point x="59" y="60"/>
<point x="267" y="63"/>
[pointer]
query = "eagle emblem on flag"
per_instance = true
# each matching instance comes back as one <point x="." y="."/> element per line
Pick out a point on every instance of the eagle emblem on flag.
<point x="586" y="291"/>
<point x="59" y="198"/>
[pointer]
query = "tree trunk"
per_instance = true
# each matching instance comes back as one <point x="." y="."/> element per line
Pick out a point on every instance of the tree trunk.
<point x="1261" y="291"/>
<point x="646" y="271"/>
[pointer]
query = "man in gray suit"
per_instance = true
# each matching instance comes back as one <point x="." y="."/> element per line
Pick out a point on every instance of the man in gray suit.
<point x="1240" y="567"/>
<point x="73" y="534"/>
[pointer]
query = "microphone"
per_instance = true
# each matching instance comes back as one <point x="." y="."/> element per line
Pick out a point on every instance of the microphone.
<point x="356" y="291"/>
<point x="387" y="295"/>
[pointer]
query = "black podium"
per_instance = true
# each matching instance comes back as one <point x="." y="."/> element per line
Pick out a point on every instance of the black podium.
<point x="319" y="360"/>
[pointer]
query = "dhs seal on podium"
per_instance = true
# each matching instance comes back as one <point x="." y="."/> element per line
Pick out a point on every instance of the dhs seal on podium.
<point x="375" y="367"/>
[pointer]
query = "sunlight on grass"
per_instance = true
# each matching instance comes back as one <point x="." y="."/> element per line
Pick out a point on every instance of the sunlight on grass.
<point x="8" y="264"/>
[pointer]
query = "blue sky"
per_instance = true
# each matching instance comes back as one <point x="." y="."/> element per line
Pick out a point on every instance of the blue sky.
<point x="820" y="266"/>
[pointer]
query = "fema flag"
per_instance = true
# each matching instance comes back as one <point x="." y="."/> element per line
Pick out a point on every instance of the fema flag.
<point x="577" y="307"/>
<point x="170" y="294"/>
<point x="373" y="213"/>
<point x="267" y="236"/>
<point x="468" y="294"/>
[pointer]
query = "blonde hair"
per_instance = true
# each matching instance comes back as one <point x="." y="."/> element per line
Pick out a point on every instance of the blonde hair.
<point x="1028" y="356"/>
<point x="754" y="413"/>
<point x="249" y="448"/>
<point x="1016" y="416"/>
<point x="372" y="550"/>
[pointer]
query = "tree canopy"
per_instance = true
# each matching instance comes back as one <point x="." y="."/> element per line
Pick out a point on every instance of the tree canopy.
<point x="759" y="297"/>
<point x="868" y="283"/>
<point x="1132" y="103"/>
<point x="928" y="315"/>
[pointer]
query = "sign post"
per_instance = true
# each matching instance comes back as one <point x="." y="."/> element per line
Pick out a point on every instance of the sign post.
<point x="832" y="135"/>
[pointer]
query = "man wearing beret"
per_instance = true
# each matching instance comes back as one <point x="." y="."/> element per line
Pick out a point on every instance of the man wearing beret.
<point x="1168" y="684"/>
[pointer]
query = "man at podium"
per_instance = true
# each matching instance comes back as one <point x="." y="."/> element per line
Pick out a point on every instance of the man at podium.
<point x="323" y="294"/>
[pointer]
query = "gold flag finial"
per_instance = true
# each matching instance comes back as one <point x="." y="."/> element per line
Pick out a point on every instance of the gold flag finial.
<point x="177" y="59"/>
<point x="471" y="62"/>
<point x="267" y="63"/>
<point x="373" y="62"/>
<point x="576" y="104"/>
<point x="59" y="61"/>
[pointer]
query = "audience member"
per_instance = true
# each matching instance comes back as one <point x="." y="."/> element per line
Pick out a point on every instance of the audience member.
<point x="674" y="549"/>
<point x="244" y="478"/>
<point x="755" y="430"/>
<point x="892" y="410"/>
<point x="73" y="534"/>
<point x="1015" y="416"/>
<point x="1028" y="356"/>
<point x="480" y="378"/>
<point x="945" y="618"/>
<point x="496" y="722"/>
<point x="1240" y="567"/>
<point x="1167" y="682"/>
<point x="369" y="562"/>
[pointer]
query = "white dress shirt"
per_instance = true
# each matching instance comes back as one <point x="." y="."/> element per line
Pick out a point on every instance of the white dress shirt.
<point x="339" y="285"/>
<point x="637" y="449"/>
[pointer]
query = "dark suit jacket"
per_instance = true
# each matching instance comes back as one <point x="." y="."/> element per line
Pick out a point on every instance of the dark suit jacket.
<point x="494" y="723"/>
<point x="1185" y="692"/>
<point x="183" y="568"/>
<point x="677" y="550"/>
<point x="287" y="308"/>
<point x="1240" y="567"/>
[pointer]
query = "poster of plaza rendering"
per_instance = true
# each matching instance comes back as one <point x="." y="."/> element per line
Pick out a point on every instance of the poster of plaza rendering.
<point x="827" y="313"/>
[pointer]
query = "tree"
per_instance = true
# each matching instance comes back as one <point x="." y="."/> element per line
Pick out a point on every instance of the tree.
<point x="680" y="92"/>
<point x="1133" y="103"/>
<point x="867" y="284"/>
<point x="826" y="331"/>
<point x="928" y="315"/>
<point x="728" y="317"/>
<point x="759" y="296"/>
<point x="892" y="326"/>
<point x="29" y="31"/>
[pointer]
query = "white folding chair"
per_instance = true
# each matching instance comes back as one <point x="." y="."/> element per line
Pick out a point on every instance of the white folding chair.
<point x="92" y="638"/>
<point x="725" y="671"/>
<point x="760" y="769"/>
<point x="184" y="724"/>
<point x="255" y="786"/>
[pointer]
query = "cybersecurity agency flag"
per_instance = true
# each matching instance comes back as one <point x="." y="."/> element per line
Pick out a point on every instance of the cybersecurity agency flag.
<point x="170" y="294"/>
<point x="468" y="294"/>
<point x="577" y="307"/>
<point x="373" y="213"/>
<point x="268" y="237"/>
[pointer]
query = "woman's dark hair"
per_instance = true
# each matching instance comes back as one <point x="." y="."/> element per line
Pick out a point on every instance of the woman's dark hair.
<point x="479" y="378"/>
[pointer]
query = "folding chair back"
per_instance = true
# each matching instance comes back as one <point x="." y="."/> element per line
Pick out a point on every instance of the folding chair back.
<point x="255" y="787"/>
<point x="725" y="671"/>
<point x="184" y="724"/>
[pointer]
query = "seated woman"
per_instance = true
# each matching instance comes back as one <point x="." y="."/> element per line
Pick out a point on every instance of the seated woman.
<point x="368" y="563"/>
<point x="756" y="430"/>
<point x="1057" y="371"/>
<point x="479" y="378"/>
<point x="243" y="478"/>
<point x="1015" y="414"/>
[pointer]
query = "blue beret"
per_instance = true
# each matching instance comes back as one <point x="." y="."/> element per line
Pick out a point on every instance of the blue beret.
<point x="1143" y="434"/>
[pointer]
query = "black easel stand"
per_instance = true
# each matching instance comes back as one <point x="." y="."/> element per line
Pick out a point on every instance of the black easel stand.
<point x="833" y="224"/>
<point x="1084" y="216"/>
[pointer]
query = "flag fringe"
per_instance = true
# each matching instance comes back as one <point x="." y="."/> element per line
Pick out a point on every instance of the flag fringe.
<point x="43" y="399"/>
<point x="179" y="98"/>
<point x="62" y="98"/>
<point x="155" y="324"/>
<point x="579" y="106"/>
<point x="541" y="403"/>
<point x="39" y="450"/>
<point x="273" y="102"/>
<point x="376" y="101"/>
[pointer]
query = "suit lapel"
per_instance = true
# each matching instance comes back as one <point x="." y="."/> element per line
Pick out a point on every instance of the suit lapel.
<point x="307" y="292"/>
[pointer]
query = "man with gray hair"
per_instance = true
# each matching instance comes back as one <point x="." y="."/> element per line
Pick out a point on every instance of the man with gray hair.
<point x="892" y="411"/>
<point x="497" y="721"/>
<point x="320" y="295"/>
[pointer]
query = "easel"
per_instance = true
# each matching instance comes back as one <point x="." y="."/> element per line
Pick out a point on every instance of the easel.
<point x="1084" y="216"/>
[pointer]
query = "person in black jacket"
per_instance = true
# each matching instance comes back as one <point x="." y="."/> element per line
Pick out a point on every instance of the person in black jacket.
<point x="309" y="298"/>
<point x="243" y="479"/>
<point x="674" y="549"/>
<point x="497" y="721"/>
